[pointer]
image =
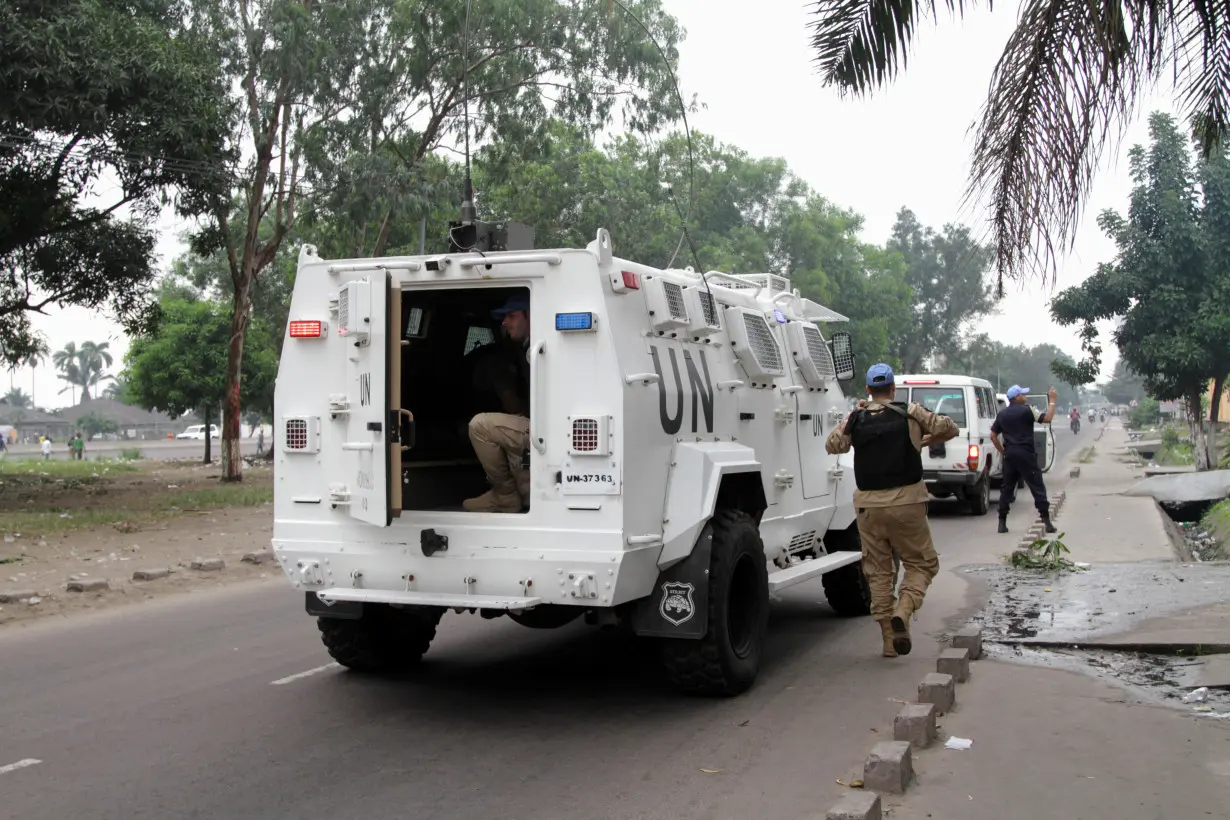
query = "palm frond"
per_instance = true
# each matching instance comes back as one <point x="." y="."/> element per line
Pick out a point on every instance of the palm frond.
<point x="1063" y="89"/>
<point x="1202" y="70"/>
<point x="861" y="43"/>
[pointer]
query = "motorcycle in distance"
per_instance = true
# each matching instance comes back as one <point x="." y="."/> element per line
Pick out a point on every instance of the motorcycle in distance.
<point x="1075" y="424"/>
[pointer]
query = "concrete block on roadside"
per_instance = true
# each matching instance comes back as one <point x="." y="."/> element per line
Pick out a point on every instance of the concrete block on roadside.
<point x="856" y="805"/>
<point x="150" y="574"/>
<point x="208" y="564"/>
<point x="940" y="689"/>
<point x="1075" y="472"/>
<point x="969" y="638"/>
<point x="915" y="724"/>
<point x="89" y="585"/>
<point x="14" y="596"/>
<point x="258" y="558"/>
<point x="954" y="662"/>
<point x="889" y="768"/>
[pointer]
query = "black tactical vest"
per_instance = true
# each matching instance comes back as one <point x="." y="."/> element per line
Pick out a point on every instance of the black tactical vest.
<point x="884" y="456"/>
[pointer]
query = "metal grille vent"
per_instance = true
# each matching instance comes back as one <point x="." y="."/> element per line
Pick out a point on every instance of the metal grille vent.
<point x="674" y="300"/>
<point x="843" y="358"/>
<point x="585" y="435"/>
<point x="296" y="434"/>
<point x="819" y="351"/>
<point x="709" y="308"/>
<point x="343" y="310"/>
<point x="760" y="340"/>
<point x="801" y="541"/>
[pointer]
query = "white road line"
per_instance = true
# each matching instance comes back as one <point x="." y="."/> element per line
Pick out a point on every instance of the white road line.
<point x="20" y="764"/>
<point x="297" y="676"/>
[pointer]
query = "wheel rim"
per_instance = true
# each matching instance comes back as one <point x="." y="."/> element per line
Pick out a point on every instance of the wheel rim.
<point x="742" y="606"/>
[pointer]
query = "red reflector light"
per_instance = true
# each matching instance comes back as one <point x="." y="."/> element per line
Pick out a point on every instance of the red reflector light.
<point x="306" y="329"/>
<point x="922" y="381"/>
<point x="631" y="281"/>
<point x="974" y="454"/>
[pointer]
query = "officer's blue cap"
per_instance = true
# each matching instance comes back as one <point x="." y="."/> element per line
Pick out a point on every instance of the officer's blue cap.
<point x="1016" y="390"/>
<point x="879" y="375"/>
<point x="514" y="303"/>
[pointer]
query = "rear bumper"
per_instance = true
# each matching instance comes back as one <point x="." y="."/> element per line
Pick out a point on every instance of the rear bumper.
<point x="949" y="478"/>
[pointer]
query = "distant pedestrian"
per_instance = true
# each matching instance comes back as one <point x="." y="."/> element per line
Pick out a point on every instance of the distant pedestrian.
<point x="1016" y="424"/>
<point x="891" y="500"/>
<point x="46" y="448"/>
<point x="77" y="445"/>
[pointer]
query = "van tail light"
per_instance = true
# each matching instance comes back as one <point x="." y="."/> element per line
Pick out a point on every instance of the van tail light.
<point x="975" y="455"/>
<point x="307" y="329"/>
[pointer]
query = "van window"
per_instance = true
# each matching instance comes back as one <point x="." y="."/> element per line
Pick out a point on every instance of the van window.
<point x="981" y="400"/>
<point x="945" y="401"/>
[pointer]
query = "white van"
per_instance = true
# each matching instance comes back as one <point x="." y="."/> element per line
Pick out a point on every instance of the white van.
<point x="962" y="466"/>
<point x="1044" y="438"/>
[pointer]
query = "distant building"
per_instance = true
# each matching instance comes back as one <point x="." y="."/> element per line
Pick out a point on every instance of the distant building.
<point x="131" y="422"/>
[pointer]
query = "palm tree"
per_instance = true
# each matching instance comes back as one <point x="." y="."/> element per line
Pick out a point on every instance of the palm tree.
<point x="92" y="362"/>
<point x="16" y="397"/>
<point x="65" y="360"/>
<point x="1066" y="83"/>
<point x="37" y="356"/>
<point x="115" y="390"/>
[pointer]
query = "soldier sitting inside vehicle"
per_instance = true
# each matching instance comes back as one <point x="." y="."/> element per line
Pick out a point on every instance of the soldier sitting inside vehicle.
<point x="500" y="440"/>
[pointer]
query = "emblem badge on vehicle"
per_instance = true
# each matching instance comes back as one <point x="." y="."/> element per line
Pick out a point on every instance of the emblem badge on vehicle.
<point x="677" y="606"/>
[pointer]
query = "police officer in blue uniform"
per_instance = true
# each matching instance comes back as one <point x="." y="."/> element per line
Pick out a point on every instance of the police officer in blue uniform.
<point x="1016" y="424"/>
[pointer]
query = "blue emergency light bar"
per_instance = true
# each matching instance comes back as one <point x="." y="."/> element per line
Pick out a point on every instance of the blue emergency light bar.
<point x="574" y="321"/>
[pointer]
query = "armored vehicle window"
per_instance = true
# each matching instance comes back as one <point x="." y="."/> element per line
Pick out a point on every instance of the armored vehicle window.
<point x="946" y="401"/>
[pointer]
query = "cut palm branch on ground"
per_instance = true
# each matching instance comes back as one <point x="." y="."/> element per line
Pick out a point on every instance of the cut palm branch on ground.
<point x="1050" y="554"/>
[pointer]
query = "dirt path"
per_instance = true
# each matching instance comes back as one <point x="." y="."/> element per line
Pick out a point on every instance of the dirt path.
<point x="102" y="521"/>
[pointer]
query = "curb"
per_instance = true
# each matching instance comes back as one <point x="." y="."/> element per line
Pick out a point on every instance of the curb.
<point x="889" y="767"/>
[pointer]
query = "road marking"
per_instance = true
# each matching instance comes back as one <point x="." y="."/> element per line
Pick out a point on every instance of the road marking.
<point x="20" y="764"/>
<point x="297" y="676"/>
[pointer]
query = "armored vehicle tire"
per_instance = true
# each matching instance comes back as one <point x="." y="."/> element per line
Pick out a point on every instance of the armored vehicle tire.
<point x="846" y="589"/>
<point x="727" y="659"/>
<point x="980" y="496"/>
<point x="383" y="640"/>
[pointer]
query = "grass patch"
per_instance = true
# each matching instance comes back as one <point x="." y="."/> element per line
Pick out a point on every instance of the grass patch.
<point x="1217" y="521"/>
<point x="155" y="506"/>
<point x="130" y="454"/>
<point x="1180" y="454"/>
<point x="63" y="469"/>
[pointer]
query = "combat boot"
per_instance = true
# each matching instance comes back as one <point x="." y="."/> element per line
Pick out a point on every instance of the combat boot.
<point x="886" y="630"/>
<point x="495" y="500"/>
<point x="1003" y="523"/>
<point x="900" y="623"/>
<point x="1046" y="522"/>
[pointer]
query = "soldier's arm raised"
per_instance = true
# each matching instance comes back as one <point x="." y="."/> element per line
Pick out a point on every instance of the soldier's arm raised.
<point x="839" y="440"/>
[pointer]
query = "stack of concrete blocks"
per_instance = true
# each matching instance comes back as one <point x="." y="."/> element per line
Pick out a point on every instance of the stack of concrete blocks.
<point x="889" y="769"/>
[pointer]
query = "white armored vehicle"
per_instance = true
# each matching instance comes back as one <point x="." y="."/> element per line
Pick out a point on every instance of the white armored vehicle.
<point x="676" y="474"/>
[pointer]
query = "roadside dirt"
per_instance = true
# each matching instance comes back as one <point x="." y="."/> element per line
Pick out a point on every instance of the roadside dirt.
<point x="83" y="523"/>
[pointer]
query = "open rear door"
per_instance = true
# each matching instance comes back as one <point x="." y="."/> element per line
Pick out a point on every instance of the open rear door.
<point x="363" y="321"/>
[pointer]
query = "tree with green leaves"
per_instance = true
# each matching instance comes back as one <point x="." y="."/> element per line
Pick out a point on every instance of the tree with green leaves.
<point x="947" y="272"/>
<point x="182" y="366"/>
<point x="16" y="397"/>
<point x="352" y="98"/>
<point x="1125" y="386"/>
<point x="1169" y="286"/>
<point x="1069" y="80"/>
<point x="94" y="424"/>
<point x="96" y="95"/>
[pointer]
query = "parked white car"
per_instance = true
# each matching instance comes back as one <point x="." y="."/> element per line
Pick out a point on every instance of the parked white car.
<point x="197" y="432"/>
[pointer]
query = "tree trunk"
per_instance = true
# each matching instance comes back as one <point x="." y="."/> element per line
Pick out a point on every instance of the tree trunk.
<point x="1214" y="406"/>
<point x="232" y="460"/>
<point x="208" y="438"/>
<point x="1200" y="444"/>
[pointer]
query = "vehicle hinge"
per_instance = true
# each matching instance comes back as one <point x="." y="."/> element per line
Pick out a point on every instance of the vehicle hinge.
<point x="339" y="495"/>
<point x="783" y="415"/>
<point x="837" y="471"/>
<point x="783" y="479"/>
<point x="339" y="404"/>
<point x="583" y="585"/>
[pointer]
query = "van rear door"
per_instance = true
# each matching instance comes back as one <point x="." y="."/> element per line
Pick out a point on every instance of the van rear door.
<point x="945" y="401"/>
<point x="368" y="443"/>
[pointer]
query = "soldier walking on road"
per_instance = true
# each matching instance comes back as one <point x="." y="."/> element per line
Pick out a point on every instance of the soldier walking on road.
<point x="1016" y="424"/>
<point x="891" y="500"/>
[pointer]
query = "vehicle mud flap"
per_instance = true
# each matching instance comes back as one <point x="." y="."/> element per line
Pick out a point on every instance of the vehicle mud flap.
<point x="678" y="607"/>
<point x="349" y="610"/>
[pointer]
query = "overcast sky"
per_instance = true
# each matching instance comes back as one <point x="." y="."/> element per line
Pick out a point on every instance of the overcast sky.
<point x="751" y="65"/>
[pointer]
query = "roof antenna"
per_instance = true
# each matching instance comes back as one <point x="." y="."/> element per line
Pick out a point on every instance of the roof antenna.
<point x="468" y="212"/>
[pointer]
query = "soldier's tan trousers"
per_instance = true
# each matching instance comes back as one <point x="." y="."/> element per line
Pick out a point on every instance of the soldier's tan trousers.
<point x="499" y="440"/>
<point x="903" y="531"/>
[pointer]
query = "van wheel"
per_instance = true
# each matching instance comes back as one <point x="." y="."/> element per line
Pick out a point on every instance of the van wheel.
<point x="727" y="660"/>
<point x="846" y="589"/>
<point x="383" y="640"/>
<point x="980" y="498"/>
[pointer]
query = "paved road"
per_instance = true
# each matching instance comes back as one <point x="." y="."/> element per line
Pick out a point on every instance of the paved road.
<point x="201" y="707"/>
<point x="159" y="449"/>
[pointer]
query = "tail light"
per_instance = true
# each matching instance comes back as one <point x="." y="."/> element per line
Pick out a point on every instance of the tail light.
<point x="975" y="456"/>
<point x="307" y="329"/>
